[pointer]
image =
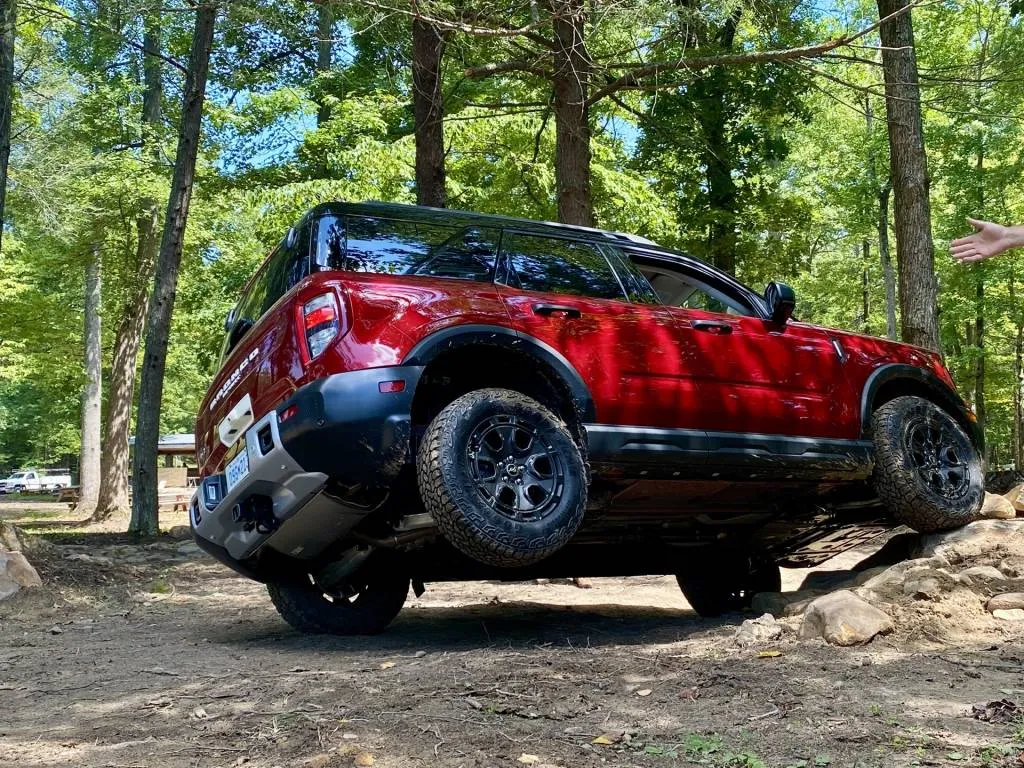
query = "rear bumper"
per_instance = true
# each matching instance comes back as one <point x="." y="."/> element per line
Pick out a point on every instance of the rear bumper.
<point x="343" y="432"/>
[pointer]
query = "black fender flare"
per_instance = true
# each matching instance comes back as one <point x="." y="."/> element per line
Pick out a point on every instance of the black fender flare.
<point x="939" y="390"/>
<point x="453" y="337"/>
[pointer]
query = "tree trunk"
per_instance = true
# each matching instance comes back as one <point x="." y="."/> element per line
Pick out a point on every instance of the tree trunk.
<point x="8" y="21"/>
<point x="979" y="343"/>
<point x="324" y="53"/>
<point x="865" y="285"/>
<point x="428" y="111"/>
<point x="114" y="484"/>
<point x="1018" y="406"/>
<point x="145" y="511"/>
<point x="571" y="64"/>
<point x="717" y="156"/>
<point x="918" y="287"/>
<point x="92" y="392"/>
<point x="888" y="271"/>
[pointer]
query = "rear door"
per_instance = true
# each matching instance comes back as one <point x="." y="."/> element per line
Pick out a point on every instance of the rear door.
<point x="564" y="292"/>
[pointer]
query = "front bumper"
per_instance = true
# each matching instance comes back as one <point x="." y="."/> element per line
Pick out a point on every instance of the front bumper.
<point x="344" y="433"/>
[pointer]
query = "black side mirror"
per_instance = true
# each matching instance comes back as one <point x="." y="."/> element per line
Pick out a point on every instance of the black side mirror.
<point x="229" y="320"/>
<point x="781" y="300"/>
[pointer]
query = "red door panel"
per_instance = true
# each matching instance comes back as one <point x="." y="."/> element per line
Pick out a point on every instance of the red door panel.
<point x="626" y="354"/>
<point x="755" y="376"/>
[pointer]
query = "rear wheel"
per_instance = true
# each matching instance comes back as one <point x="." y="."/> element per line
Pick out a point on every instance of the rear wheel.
<point x="927" y="472"/>
<point x="365" y="604"/>
<point x="729" y="585"/>
<point x="502" y="477"/>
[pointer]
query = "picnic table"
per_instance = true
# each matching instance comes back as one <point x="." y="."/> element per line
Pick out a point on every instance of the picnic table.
<point x="168" y="499"/>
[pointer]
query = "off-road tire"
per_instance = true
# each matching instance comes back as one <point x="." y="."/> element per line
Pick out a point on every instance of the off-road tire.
<point x="307" y="608"/>
<point x="450" y="494"/>
<point x="899" y="484"/>
<point x="728" y="584"/>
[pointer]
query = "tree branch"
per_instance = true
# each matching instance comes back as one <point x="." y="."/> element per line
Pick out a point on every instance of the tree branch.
<point x="499" y="68"/>
<point x="633" y="78"/>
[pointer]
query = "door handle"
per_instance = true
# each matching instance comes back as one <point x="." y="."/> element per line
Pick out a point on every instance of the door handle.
<point x="550" y="309"/>
<point x="711" y="326"/>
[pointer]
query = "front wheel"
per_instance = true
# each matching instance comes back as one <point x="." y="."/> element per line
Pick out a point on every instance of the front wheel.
<point x="364" y="605"/>
<point x="502" y="477"/>
<point x="728" y="583"/>
<point x="928" y="473"/>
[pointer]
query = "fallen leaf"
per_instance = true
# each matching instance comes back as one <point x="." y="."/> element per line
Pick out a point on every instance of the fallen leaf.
<point x="387" y="665"/>
<point x="363" y="760"/>
<point x="769" y="654"/>
<point x="526" y="759"/>
<point x="644" y="692"/>
<point x="474" y="703"/>
<point x="690" y="694"/>
<point x="607" y="738"/>
<point x="319" y="761"/>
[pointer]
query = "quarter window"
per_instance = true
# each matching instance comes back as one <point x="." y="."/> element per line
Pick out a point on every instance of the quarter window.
<point x="382" y="246"/>
<point x="555" y="265"/>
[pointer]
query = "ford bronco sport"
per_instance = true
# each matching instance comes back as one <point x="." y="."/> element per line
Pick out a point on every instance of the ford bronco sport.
<point x="411" y="395"/>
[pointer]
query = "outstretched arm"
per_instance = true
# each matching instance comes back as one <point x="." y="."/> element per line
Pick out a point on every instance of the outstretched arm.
<point x="987" y="241"/>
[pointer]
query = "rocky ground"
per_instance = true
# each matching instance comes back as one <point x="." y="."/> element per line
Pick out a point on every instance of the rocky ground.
<point x="156" y="656"/>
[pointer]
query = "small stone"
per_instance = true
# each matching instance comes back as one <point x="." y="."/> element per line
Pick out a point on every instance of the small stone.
<point x="419" y="654"/>
<point x="1008" y="601"/>
<point x="980" y="573"/>
<point x="1016" y="614"/>
<point x="757" y="631"/>
<point x="180" y="532"/>
<point x="842" y="618"/>
<point x="1013" y="567"/>
<point x="319" y="761"/>
<point x="1014" y="497"/>
<point x="997" y="508"/>
<point x="56" y="630"/>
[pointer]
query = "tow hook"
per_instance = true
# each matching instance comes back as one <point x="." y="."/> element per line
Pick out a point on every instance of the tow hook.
<point x="255" y="512"/>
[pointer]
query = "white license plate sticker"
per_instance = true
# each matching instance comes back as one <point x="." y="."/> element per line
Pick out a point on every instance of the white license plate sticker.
<point x="238" y="468"/>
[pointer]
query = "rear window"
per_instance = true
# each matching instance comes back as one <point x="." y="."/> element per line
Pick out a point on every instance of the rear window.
<point x="398" y="247"/>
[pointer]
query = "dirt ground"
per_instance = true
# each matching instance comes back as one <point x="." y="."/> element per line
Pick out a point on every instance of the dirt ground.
<point x="157" y="656"/>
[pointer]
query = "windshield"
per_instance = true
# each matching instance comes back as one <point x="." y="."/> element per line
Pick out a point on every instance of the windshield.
<point x="17" y="476"/>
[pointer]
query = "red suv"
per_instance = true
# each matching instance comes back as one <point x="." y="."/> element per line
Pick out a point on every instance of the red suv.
<point x="410" y="395"/>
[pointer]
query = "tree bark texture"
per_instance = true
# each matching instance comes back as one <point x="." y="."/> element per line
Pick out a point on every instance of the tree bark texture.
<point x="92" y="392"/>
<point x="723" y="202"/>
<point x="324" y="52"/>
<point x="1018" y="406"/>
<point x="113" y="498"/>
<point x="918" y="287"/>
<point x="145" y="510"/>
<point x="571" y="72"/>
<point x="8" y="21"/>
<point x="428" y="113"/>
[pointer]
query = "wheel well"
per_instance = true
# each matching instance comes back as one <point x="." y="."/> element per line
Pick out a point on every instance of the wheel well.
<point x="479" y="366"/>
<point x="902" y="387"/>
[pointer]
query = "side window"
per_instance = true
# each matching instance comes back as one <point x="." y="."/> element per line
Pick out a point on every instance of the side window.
<point x="637" y="287"/>
<point x="389" y="246"/>
<point x="681" y="289"/>
<point x="468" y="255"/>
<point x="555" y="265"/>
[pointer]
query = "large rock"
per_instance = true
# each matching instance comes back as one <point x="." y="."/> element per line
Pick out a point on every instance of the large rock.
<point x="891" y="583"/>
<point x="16" y="573"/>
<point x="842" y="618"/>
<point x="997" y="508"/>
<point x="978" y="539"/>
<point x="1008" y="601"/>
<point x="758" y="631"/>
<point x="1014" y="497"/>
<point x="784" y="604"/>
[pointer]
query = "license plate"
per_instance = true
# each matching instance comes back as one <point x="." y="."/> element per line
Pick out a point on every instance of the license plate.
<point x="238" y="468"/>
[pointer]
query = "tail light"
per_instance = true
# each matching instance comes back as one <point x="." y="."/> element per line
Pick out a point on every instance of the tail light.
<point x="320" y="322"/>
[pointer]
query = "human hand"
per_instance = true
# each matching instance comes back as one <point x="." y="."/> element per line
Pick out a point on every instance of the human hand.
<point x="988" y="240"/>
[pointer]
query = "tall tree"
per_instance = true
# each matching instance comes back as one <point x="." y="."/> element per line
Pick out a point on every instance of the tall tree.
<point x="428" y="113"/>
<point x="92" y="392"/>
<point x="8" y="26"/>
<point x="918" y="287"/>
<point x="570" y="80"/>
<point x="113" y="497"/>
<point x="145" y="509"/>
<point x="324" y="53"/>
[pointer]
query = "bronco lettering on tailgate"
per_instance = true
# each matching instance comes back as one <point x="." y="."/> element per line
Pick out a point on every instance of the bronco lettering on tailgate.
<point x="233" y="378"/>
